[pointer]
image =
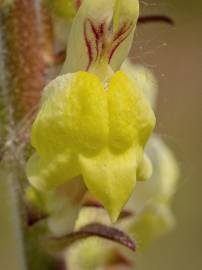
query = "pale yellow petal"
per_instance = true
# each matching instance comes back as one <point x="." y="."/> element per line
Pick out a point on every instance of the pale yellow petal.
<point x="49" y="174"/>
<point x="101" y="34"/>
<point x="86" y="112"/>
<point x="131" y="117"/>
<point x="111" y="178"/>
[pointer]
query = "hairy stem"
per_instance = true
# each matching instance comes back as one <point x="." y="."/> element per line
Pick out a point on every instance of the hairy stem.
<point x="23" y="68"/>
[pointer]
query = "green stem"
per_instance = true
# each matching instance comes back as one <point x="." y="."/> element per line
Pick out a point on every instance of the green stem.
<point x="11" y="245"/>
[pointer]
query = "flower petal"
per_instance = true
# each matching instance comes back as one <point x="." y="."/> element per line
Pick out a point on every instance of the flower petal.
<point x="131" y="117"/>
<point x="49" y="133"/>
<point x="145" y="169"/>
<point x="111" y="178"/>
<point x="48" y="174"/>
<point x="101" y="34"/>
<point x="86" y="112"/>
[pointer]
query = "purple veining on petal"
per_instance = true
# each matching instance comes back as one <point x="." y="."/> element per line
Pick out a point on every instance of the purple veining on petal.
<point x="119" y="38"/>
<point x="103" y="41"/>
<point x="88" y="45"/>
<point x="96" y="43"/>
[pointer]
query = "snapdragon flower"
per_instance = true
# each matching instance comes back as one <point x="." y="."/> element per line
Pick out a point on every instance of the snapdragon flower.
<point x="150" y="203"/>
<point x="94" y="121"/>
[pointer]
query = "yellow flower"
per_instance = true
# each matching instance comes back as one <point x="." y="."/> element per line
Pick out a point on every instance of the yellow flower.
<point x="94" y="121"/>
<point x="98" y="131"/>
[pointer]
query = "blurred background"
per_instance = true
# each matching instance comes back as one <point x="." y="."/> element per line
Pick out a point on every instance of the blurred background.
<point x="175" y="56"/>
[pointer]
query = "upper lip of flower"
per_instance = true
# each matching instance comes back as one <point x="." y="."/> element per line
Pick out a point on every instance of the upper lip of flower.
<point x="104" y="42"/>
<point x="103" y="37"/>
<point x="92" y="132"/>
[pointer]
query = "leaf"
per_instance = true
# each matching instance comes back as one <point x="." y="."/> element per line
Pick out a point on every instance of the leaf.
<point x="94" y="229"/>
<point x="156" y="18"/>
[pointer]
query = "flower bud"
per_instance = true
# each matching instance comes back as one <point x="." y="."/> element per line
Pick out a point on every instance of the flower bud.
<point x="154" y="221"/>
